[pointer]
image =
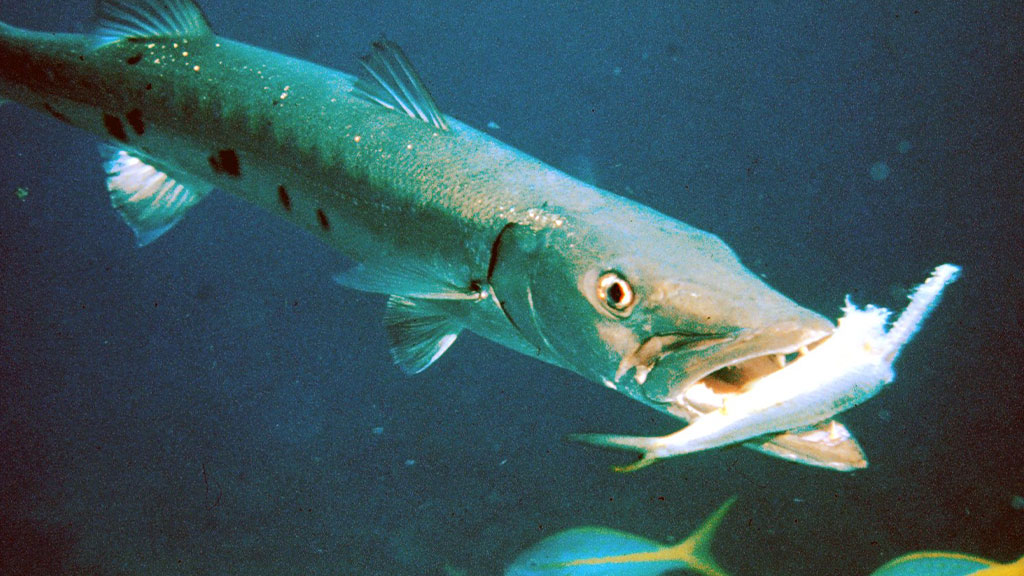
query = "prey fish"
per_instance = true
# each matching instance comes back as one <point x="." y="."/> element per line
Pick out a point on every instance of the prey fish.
<point x="461" y="232"/>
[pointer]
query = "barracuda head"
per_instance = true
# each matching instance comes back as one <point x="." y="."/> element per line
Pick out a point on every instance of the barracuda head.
<point x="650" y="306"/>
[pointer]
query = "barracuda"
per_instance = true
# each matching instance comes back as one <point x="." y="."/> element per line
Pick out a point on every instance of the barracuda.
<point x="461" y="231"/>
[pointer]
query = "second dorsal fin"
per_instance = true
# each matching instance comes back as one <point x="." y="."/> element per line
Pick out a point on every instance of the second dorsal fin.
<point x="397" y="86"/>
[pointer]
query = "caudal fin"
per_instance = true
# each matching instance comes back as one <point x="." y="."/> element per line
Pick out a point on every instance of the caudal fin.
<point x="695" y="551"/>
<point x="643" y="444"/>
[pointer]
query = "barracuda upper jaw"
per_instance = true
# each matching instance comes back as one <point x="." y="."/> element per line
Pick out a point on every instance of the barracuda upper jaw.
<point x="723" y="365"/>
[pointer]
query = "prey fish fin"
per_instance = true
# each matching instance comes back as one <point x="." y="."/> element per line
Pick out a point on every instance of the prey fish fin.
<point x="828" y="444"/>
<point x="409" y="280"/>
<point x="646" y="446"/>
<point x="149" y="19"/>
<point x="397" y="85"/>
<point x="149" y="200"/>
<point x="418" y="331"/>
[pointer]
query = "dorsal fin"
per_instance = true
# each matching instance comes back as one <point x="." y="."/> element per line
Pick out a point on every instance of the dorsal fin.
<point x="149" y="19"/>
<point x="398" y="87"/>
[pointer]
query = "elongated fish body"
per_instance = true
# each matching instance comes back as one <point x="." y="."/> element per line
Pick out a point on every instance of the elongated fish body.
<point x="460" y="230"/>
<point x="293" y="138"/>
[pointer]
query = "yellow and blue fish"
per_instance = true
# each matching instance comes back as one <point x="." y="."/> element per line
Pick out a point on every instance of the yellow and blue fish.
<point x="948" y="564"/>
<point x="600" y="551"/>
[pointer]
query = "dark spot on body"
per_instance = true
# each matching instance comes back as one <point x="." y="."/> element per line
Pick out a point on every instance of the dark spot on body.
<point x="135" y="121"/>
<point x="284" y="198"/>
<point x="53" y="112"/>
<point x="226" y="162"/>
<point x="325" y="225"/>
<point x="115" y="127"/>
<point x="134" y="59"/>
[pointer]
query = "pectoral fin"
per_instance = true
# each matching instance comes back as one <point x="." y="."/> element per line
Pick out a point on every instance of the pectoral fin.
<point x="409" y="280"/>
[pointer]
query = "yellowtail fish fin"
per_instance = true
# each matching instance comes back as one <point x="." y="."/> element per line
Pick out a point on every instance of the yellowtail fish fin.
<point x="410" y="280"/>
<point x="149" y="200"/>
<point x="419" y="332"/>
<point x="696" y="549"/>
<point x="398" y="86"/>
<point x="149" y="19"/>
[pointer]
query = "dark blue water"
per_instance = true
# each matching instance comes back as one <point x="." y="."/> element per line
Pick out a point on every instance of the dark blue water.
<point x="214" y="404"/>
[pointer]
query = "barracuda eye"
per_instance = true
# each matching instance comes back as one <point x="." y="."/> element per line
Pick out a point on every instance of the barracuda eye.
<point x="615" y="293"/>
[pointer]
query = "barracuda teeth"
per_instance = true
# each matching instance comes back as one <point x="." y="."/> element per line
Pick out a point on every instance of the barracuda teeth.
<point x="802" y="351"/>
<point x="780" y="359"/>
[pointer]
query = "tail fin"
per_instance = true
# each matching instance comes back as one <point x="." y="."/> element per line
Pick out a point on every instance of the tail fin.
<point x="643" y="444"/>
<point x="695" y="551"/>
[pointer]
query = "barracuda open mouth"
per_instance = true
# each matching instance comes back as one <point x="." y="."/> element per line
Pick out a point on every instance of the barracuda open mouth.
<point x="709" y="392"/>
<point x="692" y="374"/>
<point x="752" y="398"/>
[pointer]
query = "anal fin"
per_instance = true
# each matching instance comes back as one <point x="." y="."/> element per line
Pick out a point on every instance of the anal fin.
<point x="149" y="200"/>
<point x="418" y="331"/>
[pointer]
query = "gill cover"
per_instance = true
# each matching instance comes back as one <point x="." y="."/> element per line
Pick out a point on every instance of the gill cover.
<point x="517" y="259"/>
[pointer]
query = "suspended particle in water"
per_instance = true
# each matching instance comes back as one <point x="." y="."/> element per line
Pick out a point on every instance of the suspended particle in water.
<point x="879" y="171"/>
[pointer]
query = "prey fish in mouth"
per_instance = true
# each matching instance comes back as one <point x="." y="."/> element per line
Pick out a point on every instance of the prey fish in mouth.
<point x="843" y="370"/>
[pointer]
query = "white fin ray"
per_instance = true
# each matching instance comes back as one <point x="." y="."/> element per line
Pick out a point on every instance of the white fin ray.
<point x="418" y="331"/>
<point x="149" y="200"/>
<point x="398" y="86"/>
<point x="146" y="19"/>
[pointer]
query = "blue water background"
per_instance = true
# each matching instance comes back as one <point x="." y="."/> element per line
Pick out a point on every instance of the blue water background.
<point x="214" y="404"/>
